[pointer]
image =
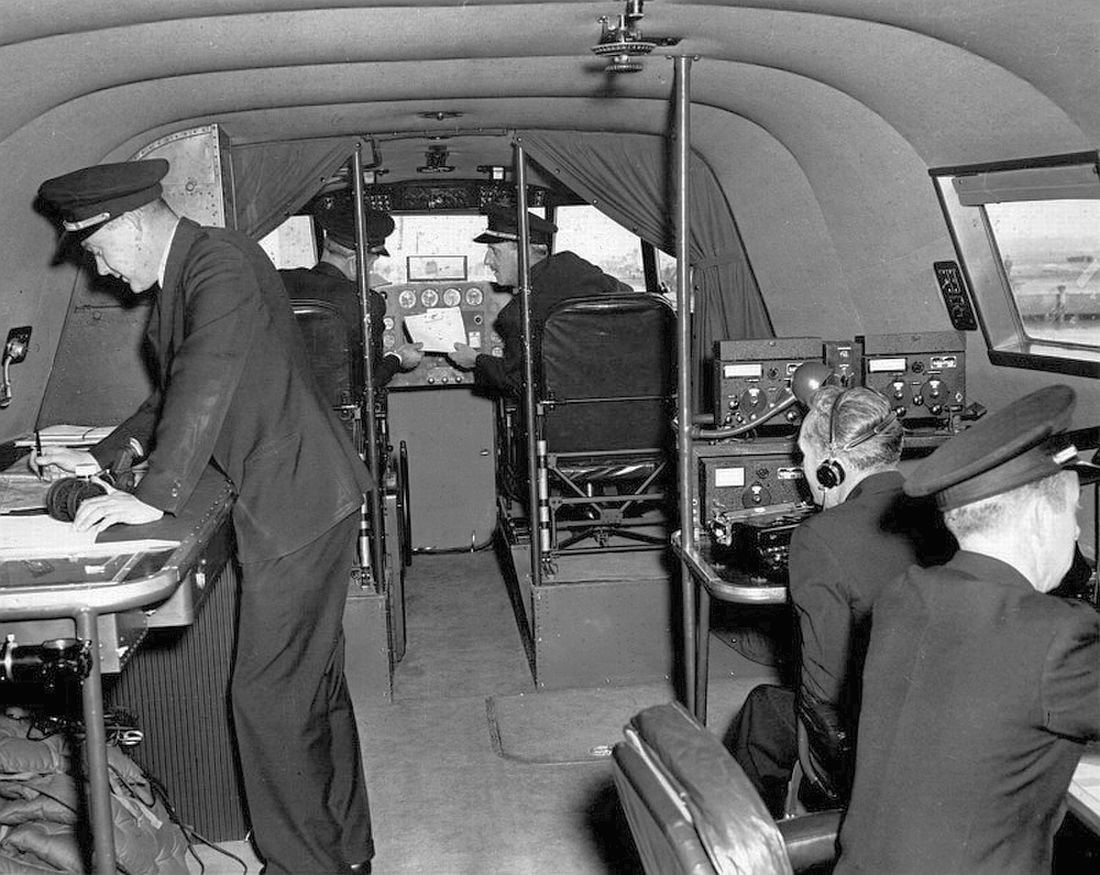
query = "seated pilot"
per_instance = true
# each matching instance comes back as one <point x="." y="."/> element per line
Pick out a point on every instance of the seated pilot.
<point x="554" y="278"/>
<point x="867" y="534"/>
<point x="333" y="279"/>
<point x="980" y="689"/>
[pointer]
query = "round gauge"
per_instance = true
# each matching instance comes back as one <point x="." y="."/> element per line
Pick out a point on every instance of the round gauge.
<point x="407" y="300"/>
<point x="452" y="297"/>
<point x="388" y="340"/>
<point x="429" y="298"/>
<point x="388" y="322"/>
<point x="473" y="296"/>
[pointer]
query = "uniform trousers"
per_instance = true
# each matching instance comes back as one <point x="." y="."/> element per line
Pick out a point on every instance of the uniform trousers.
<point x="295" y="725"/>
<point x="763" y="738"/>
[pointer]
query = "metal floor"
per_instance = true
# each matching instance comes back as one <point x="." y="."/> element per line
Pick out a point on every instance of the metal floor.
<point x="443" y="798"/>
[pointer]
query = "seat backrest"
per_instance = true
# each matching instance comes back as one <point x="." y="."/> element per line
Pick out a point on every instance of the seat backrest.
<point x="674" y="774"/>
<point x="608" y="368"/>
<point x="332" y="353"/>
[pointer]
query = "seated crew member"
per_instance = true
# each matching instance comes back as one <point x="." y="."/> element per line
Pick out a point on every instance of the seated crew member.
<point x="980" y="689"/>
<point x="553" y="279"/>
<point x="333" y="279"/>
<point x="868" y="533"/>
<point x="234" y="390"/>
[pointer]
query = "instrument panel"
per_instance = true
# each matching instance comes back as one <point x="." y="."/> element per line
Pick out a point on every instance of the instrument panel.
<point x="477" y="302"/>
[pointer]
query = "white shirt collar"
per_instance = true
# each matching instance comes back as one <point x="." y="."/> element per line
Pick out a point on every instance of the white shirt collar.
<point x="164" y="255"/>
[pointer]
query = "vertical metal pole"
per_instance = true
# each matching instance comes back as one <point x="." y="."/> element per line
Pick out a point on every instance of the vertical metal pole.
<point x="95" y="751"/>
<point x="523" y="252"/>
<point x="370" y="426"/>
<point x="684" y="364"/>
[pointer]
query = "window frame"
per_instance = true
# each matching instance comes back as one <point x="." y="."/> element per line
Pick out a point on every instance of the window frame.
<point x="998" y="316"/>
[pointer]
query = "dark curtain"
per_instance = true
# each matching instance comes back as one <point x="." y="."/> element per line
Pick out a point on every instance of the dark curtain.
<point x="274" y="180"/>
<point x="630" y="178"/>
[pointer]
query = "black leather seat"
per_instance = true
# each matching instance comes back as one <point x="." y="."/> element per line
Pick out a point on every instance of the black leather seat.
<point x="334" y="352"/>
<point x="605" y="385"/>
<point x="691" y="809"/>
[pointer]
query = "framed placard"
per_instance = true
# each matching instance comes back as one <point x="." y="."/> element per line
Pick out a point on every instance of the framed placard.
<point x="436" y="268"/>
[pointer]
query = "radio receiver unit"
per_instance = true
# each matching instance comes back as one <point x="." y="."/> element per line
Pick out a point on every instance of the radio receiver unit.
<point x="922" y="375"/>
<point x="752" y="377"/>
<point x="744" y="479"/>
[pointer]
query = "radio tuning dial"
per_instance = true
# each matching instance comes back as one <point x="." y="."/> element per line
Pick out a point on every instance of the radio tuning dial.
<point x="755" y="496"/>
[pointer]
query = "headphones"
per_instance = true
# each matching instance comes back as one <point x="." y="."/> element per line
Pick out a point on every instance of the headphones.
<point x="830" y="473"/>
<point x="67" y="494"/>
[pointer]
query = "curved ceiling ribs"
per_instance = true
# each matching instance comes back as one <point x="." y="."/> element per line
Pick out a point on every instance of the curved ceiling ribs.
<point x="928" y="83"/>
<point x="548" y="57"/>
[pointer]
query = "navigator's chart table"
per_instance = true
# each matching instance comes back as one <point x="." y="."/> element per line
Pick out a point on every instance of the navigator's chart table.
<point x="106" y="595"/>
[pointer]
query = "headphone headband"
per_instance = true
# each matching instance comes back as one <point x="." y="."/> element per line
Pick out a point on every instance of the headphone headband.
<point x="878" y="429"/>
<point x="874" y="432"/>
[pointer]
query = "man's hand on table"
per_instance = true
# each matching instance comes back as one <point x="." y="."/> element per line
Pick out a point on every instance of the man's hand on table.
<point x="102" y="511"/>
<point x="54" y="463"/>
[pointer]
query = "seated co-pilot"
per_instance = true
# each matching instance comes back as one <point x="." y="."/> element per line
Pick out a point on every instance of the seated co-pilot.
<point x="554" y="278"/>
<point x="333" y="279"/>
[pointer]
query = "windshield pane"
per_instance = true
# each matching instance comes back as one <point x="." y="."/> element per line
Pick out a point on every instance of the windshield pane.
<point x="597" y="239"/>
<point x="445" y="236"/>
<point x="1051" y="256"/>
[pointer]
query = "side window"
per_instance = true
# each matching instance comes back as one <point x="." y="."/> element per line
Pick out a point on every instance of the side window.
<point x="1028" y="237"/>
<point x="1050" y="252"/>
<point x="599" y="240"/>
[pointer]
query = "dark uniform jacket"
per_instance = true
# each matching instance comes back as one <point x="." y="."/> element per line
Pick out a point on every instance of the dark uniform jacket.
<point x="979" y="693"/>
<point x="325" y="282"/>
<point x="234" y="387"/>
<point x="839" y="561"/>
<point x="553" y="280"/>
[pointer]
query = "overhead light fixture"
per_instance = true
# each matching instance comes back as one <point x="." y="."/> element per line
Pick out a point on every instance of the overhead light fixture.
<point x="440" y="115"/>
<point x="622" y="43"/>
<point x="436" y="158"/>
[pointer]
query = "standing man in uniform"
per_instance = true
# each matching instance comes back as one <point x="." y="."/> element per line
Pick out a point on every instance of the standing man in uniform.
<point x="333" y="279"/>
<point x="233" y="389"/>
<point x="980" y="689"/>
<point x="554" y="278"/>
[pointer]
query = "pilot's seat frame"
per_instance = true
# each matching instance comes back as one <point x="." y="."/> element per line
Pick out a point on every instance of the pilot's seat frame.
<point x="604" y="395"/>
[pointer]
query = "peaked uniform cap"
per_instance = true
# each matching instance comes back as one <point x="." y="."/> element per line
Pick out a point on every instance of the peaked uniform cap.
<point x="340" y="228"/>
<point x="1019" y="444"/>
<point x="87" y="198"/>
<point x="503" y="228"/>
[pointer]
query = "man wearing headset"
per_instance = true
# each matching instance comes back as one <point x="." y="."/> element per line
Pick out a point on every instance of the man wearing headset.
<point x="867" y="534"/>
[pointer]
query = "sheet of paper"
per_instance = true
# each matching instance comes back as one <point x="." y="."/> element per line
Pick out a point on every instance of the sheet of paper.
<point x="31" y="536"/>
<point x="68" y="436"/>
<point x="41" y="536"/>
<point x="1086" y="781"/>
<point x="439" y="329"/>
<point x="19" y="490"/>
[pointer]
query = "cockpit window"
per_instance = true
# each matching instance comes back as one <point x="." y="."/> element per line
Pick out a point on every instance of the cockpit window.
<point x="1050" y="252"/>
<point x="442" y="238"/>
<point x="599" y="240"/>
<point x="421" y="243"/>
